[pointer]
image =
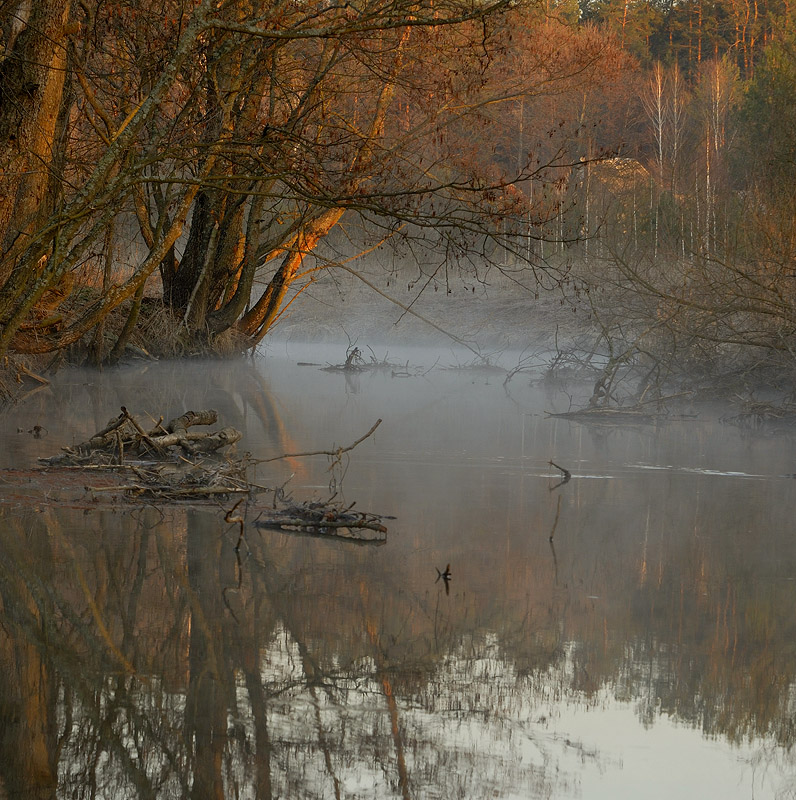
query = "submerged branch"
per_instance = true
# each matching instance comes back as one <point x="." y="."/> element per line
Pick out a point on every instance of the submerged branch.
<point x="332" y="453"/>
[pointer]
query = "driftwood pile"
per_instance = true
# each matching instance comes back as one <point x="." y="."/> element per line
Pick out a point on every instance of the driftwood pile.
<point x="174" y="462"/>
<point x="355" y="363"/>
<point x="757" y="416"/>
<point x="167" y="462"/>
<point x="124" y="437"/>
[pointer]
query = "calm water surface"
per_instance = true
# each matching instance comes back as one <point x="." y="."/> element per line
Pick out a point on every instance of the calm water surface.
<point x="648" y="651"/>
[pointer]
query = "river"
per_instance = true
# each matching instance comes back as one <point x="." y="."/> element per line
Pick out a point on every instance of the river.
<point x="627" y="633"/>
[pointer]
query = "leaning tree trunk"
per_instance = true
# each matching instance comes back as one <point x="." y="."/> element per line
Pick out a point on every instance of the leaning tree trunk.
<point x="260" y="318"/>
<point x="19" y="296"/>
<point x="32" y="79"/>
<point x="257" y="322"/>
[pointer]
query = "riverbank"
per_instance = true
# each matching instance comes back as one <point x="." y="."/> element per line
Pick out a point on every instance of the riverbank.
<point x="493" y="321"/>
<point x="339" y="309"/>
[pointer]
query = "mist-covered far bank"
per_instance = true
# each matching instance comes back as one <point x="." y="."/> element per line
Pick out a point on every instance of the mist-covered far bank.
<point x="415" y="308"/>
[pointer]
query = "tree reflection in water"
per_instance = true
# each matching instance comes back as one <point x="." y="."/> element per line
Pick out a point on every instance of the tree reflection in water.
<point x="138" y="662"/>
<point x="142" y="656"/>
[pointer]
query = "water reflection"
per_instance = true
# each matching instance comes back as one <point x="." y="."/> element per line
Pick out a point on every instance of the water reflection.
<point x="143" y="656"/>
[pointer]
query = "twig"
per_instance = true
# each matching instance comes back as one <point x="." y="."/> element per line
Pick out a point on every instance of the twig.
<point x="111" y="426"/>
<point x="555" y="560"/>
<point x="279" y="492"/>
<point x="145" y="436"/>
<point x="159" y="426"/>
<point x="338" y="452"/>
<point x="88" y="467"/>
<point x="409" y="310"/>
<point x="228" y="517"/>
<point x="43" y="381"/>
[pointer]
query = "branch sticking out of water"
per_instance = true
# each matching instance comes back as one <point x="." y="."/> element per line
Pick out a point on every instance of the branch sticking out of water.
<point x="332" y="453"/>
<point x="566" y="476"/>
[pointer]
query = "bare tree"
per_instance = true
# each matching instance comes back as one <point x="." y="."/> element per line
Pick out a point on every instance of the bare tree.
<point x="257" y="134"/>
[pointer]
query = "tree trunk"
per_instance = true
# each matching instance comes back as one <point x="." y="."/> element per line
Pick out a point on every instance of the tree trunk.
<point x="261" y="317"/>
<point x="32" y="79"/>
<point x="191" y="266"/>
<point x="19" y="296"/>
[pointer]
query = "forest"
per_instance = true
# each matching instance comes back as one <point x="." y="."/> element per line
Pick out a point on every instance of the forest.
<point x="177" y="178"/>
<point x="174" y="174"/>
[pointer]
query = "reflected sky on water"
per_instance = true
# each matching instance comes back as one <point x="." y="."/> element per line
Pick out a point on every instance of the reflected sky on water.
<point x="648" y="650"/>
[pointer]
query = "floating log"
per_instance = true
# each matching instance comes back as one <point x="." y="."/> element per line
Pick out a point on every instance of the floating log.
<point x="362" y="530"/>
<point x="615" y="416"/>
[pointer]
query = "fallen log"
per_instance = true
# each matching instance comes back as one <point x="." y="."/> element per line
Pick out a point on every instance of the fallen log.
<point x="196" y="442"/>
<point x="191" y="418"/>
<point x="326" y="520"/>
<point x="606" y="414"/>
<point x="361" y="531"/>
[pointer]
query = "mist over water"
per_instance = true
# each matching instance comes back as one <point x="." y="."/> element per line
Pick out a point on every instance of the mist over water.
<point x="646" y="651"/>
